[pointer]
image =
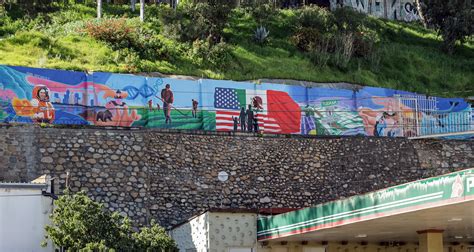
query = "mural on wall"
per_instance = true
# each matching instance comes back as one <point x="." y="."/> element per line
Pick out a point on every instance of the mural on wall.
<point x="31" y="95"/>
<point x="405" y="10"/>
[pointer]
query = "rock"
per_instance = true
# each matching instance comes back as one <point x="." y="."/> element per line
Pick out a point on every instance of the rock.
<point x="47" y="160"/>
<point x="265" y="200"/>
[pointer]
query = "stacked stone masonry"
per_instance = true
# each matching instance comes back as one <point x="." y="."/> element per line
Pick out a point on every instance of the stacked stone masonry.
<point x="171" y="176"/>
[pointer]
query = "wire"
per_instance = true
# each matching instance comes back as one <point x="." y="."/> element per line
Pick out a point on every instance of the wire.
<point x="19" y="195"/>
<point x="202" y="108"/>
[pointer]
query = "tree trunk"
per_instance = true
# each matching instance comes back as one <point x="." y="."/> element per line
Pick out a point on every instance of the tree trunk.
<point x="420" y="12"/>
<point x="99" y="8"/>
<point x="132" y="4"/>
<point x="142" y="10"/>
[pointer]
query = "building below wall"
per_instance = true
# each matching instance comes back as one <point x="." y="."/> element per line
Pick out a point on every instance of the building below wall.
<point x="24" y="212"/>
<point x="217" y="232"/>
<point x="429" y="215"/>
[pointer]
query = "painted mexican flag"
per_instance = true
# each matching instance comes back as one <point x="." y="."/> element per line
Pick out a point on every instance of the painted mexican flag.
<point x="276" y="111"/>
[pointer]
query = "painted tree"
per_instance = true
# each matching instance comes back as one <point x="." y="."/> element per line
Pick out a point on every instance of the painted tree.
<point x="453" y="20"/>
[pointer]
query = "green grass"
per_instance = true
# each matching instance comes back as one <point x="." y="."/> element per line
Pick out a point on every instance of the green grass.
<point x="181" y="119"/>
<point x="408" y="58"/>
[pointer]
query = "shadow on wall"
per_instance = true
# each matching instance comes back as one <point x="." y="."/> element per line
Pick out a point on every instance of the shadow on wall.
<point x="33" y="95"/>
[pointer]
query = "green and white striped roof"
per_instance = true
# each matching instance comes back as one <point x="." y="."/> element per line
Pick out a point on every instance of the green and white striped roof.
<point x="443" y="190"/>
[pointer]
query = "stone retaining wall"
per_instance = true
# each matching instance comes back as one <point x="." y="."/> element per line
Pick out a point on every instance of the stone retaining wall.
<point x="170" y="176"/>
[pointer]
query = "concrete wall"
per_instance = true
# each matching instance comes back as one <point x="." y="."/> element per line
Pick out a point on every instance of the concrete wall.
<point x="171" y="176"/>
<point x="192" y="235"/>
<point x="405" y="10"/>
<point x="217" y="232"/>
<point x="24" y="213"/>
<point x="232" y="230"/>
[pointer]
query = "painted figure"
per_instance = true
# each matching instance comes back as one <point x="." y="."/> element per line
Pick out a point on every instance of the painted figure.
<point x="242" y="117"/>
<point x="236" y="123"/>
<point x="43" y="110"/>
<point x="167" y="98"/>
<point x="195" y="107"/>
<point x="255" y="125"/>
<point x="150" y="105"/>
<point x="250" y="116"/>
<point x="380" y="126"/>
<point x="116" y="105"/>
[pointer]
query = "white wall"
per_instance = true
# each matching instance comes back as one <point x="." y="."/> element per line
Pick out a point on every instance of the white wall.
<point x="232" y="230"/>
<point x="392" y="9"/>
<point x="218" y="232"/>
<point x="23" y="218"/>
<point x="192" y="235"/>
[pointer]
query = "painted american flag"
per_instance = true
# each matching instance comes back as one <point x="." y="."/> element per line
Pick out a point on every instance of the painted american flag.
<point x="229" y="101"/>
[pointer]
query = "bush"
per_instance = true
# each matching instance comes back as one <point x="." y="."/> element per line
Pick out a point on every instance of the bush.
<point x="77" y="222"/>
<point x="365" y="41"/>
<point x="334" y="37"/>
<point x="81" y="224"/>
<point x="204" y="53"/>
<point x="347" y="19"/>
<point x="343" y="50"/>
<point x="263" y="13"/>
<point x="195" y="22"/>
<point x="313" y="27"/>
<point x="128" y="36"/>
<point x="153" y="238"/>
<point x="453" y="19"/>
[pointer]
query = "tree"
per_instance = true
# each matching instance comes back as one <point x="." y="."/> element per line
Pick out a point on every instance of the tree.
<point x="81" y="223"/>
<point x="142" y="10"/>
<point x="453" y="20"/>
<point x="99" y="8"/>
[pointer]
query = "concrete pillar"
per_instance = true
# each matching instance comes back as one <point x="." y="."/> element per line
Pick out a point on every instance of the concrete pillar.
<point x="430" y="240"/>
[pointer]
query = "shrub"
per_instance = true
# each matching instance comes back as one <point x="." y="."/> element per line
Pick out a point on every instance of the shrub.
<point x="261" y="35"/>
<point x="347" y="19"/>
<point x="116" y="32"/>
<point x="196" y="21"/>
<point x="128" y="36"/>
<point x="204" y="53"/>
<point x="313" y="25"/>
<point x="81" y="224"/>
<point x="343" y="50"/>
<point x="334" y="37"/>
<point x="263" y="13"/>
<point x="319" y="54"/>
<point x="453" y="19"/>
<point x="365" y="41"/>
<point x="153" y="238"/>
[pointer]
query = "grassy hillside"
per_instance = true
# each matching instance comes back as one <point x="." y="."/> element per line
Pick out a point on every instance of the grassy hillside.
<point x="407" y="55"/>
